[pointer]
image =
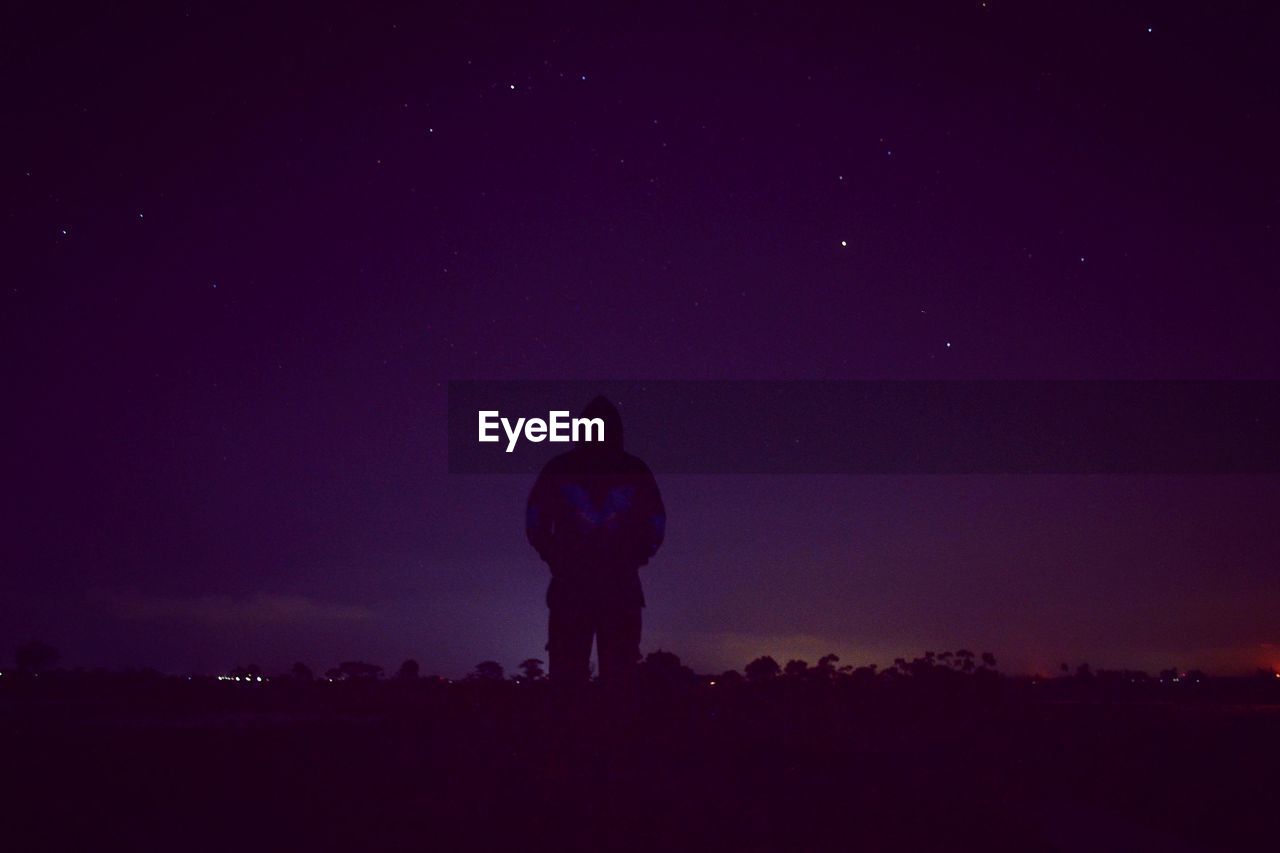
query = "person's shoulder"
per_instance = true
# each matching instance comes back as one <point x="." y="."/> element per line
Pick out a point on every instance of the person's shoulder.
<point x="635" y="465"/>
<point x="559" y="464"/>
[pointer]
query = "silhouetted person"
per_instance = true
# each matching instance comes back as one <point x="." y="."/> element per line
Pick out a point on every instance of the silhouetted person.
<point x="595" y="516"/>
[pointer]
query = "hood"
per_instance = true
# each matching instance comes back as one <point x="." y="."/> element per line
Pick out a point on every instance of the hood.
<point x="601" y="408"/>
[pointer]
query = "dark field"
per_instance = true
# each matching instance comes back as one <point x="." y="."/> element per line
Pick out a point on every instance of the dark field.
<point x="970" y="763"/>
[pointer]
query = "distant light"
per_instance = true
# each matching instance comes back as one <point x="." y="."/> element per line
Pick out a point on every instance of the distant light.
<point x="513" y="87"/>
<point x="844" y="243"/>
<point x="259" y="677"/>
<point x="713" y="684"/>
<point x="1148" y="29"/>
<point x="948" y="344"/>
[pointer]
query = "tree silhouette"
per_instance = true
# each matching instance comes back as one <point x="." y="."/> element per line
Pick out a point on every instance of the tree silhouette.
<point x="531" y="668"/>
<point x="762" y="669"/>
<point x="35" y="656"/>
<point x="487" y="670"/>
<point x="301" y="672"/>
<point x="408" y="670"/>
<point x="665" y="668"/>
<point x="864" y="674"/>
<point x="355" y="670"/>
<point x="796" y="669"/>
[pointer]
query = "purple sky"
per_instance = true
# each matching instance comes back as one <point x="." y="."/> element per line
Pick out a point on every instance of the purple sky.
<point x="247" y="246"/>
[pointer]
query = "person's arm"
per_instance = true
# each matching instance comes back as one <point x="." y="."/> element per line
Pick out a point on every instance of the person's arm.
<point x="654" y="514"/>
<point x="539" y="517"/>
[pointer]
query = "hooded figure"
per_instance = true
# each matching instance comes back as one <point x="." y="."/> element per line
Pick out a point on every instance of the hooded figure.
<point x="595" y="516"/>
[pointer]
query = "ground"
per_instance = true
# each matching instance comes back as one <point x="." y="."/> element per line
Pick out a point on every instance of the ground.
<point x="169" y="764"/>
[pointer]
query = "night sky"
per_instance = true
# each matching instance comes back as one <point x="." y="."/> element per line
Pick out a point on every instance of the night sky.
<point x="248" y="244"/>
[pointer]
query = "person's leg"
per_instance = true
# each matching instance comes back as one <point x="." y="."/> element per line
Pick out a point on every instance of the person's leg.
<point x="618" y="641"/>
<point x="569" y="635"/>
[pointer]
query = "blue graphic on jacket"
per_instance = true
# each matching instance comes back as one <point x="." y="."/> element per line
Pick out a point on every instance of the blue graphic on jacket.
<point x="607" y="515"/>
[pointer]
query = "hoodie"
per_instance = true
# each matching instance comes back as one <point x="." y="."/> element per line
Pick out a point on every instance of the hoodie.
<point x="595" y="516"/>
